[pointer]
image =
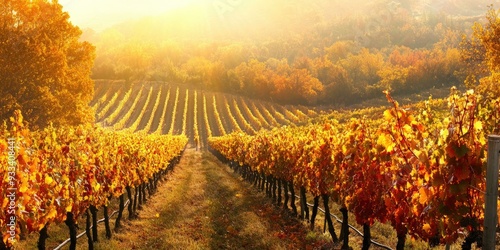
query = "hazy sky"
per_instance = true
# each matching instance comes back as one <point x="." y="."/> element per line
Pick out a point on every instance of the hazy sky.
<point x="100" y="14"/>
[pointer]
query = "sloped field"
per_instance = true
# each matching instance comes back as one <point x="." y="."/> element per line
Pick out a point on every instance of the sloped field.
<point x="155" y="107"/>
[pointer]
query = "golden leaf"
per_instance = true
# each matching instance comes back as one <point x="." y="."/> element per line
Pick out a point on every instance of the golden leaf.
<point x="426" y="227"/>
<point x="423" y="195"/>
<point x="478" y="125"/>
<point x="48" y="180"/>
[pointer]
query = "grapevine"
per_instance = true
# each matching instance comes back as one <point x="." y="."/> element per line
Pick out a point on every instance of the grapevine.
<point x="217" y="117"/>
<point x="147" y="128"/>
<point x="111" y="119"/>
<point x="233" y="121"/>
<point x="120" y="124"/>
<point x="138" y="120"/>
<point x="205" y="116"/>
<point x="61" y="172"/>
<point x="171" y="130"/>
<point x="159" y="129"/>
<point x="421" y="168"/>
<point x="257" y="125"/>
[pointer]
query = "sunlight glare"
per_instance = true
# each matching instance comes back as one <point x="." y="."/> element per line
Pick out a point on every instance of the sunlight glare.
<point x="101" y="14"/>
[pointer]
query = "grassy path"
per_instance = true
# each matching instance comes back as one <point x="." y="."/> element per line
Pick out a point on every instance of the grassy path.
<point x="204" y="206"/>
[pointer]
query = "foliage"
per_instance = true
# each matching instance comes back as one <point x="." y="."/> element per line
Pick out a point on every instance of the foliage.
<point x="44" y="68"/>
<point x="67" y="169"/>
<point x="481" y="52"/>
<point x="419" y="168"/>
<point x="330" y="61"/>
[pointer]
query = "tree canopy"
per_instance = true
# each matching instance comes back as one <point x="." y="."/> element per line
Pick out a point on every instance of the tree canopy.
<point x="330" y="60"/>
<point x="481" y="52"/>
<point x="44" y="69"/>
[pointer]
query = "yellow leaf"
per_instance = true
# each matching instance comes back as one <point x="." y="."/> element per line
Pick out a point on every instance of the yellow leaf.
<point x="23" y="188"/>
<point x="426" y="177"/>
<point x="64" y="179"/>
<point x="425" y="135"/>
<point x="52" y="214"/>
<point x="420" y="182"/>
<point x="387" y="114"/>
<point x="444" y="133"/>
<point x="48" y="180"/>
<point x="482" y="140"/>
<point x="157" y="215"/>
<point x="478" y="125"/>
<point x="385" y="141"/>
<point x="407" y="128"/>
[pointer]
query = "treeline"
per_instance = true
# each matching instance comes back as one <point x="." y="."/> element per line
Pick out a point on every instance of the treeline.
<point x="327" y="64"/>
<point x="345" y="73"/>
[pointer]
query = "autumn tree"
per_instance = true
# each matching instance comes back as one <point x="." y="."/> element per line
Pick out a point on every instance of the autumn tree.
<point x="362" y="71"/>
<point x="44" y="68"/>
<point x="481" y="53"/>
<point x="253" y="78"/>
<point x="308" y="88"/>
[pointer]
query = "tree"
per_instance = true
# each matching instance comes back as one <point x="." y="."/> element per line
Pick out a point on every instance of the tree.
<point x="44" y="68"/>
<point x="481" y="53"/>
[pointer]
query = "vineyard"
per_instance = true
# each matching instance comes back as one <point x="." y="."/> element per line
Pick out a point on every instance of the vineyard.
<point x="242" y="124"/>
<point x="57" y="175"/>
<point x="419" y="169"/>
<point x="162" y="108"/>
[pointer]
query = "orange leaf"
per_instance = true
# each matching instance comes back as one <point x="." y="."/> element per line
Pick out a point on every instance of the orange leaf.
<point x="423" y="195"/>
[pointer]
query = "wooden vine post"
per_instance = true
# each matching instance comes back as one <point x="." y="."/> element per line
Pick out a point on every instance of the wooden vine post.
<point x="491" y="196"/>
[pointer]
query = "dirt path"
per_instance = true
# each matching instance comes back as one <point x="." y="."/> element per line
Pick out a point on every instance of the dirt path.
<point x="203" y="205"/>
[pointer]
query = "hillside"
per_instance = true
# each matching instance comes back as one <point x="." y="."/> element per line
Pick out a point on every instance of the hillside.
<point x="157" y="107"/>
<point x="321" y="53"/>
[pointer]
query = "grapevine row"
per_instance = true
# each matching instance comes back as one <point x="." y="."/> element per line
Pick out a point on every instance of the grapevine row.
<point x="195" y="123"/>
<point x="98" y="103"/>
<point x="277" y="114"/>
<point x="147" y="128"/>
<point x="268" y="115"/>
<point x="259" y="115"/>
<point x="420" y="169"/>
<point x="233" y="121"/>
<point x="254" y="120"/>
<point x="217" y="117"/>
<point x="248" y="128"/>
<point x="120" y="124"/>
<point x="137" y="121"/>
<point x="106" y="108"/>
<point x="205" y="117"/>
<point x="291" y="116"/>
<point x="162" y="118"/>
<point x="171" y="130"/>
<point x="184" y="115"/>
<point x="111" y="119"/>
<point x="57" y="174"/>
<point x="300" y="114"/>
